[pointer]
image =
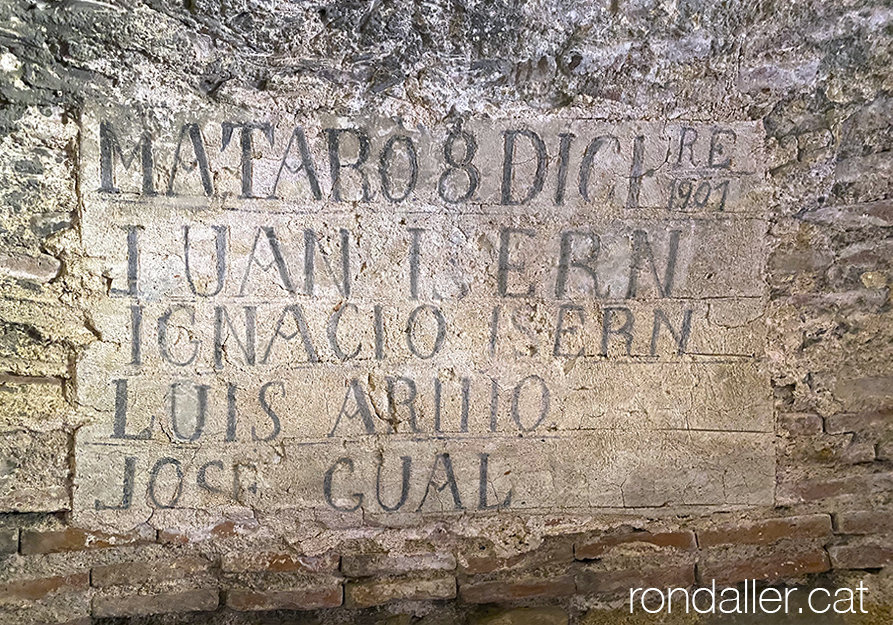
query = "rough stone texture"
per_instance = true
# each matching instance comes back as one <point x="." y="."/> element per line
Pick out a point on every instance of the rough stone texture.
<point x="136" y="573"/>
<point x="278" y="562"/>
<point x="9" y="541"/>
<point x="619" y="582"/>
<point x="730" y="458"/>
<point x="364" y="594"/>
<point x="515" y="589"/>
<point x="778" y="565"/>
<point x="139" y="605"/>
<point x="477" y="559"/>
<point x="307" y="598"/>
<point x="526" y="616"/>
<point x="34" y="471"/>
<point x="371" y="565"/>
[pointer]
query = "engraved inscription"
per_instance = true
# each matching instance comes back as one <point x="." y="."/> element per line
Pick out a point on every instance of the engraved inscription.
<point x="358" y="316"/>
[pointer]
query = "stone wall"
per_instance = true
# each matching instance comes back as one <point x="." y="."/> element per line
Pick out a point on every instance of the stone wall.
<point x="717" y="354"/>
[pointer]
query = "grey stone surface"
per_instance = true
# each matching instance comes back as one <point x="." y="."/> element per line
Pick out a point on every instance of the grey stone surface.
<point x="601" y="300"/>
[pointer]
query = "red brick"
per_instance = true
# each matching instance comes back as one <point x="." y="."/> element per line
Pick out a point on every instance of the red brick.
<point x="800" y="424"/>
<point x="774" y="567"/>
<point x="34" y="589"/>
<point x="134" y="573"/>
<point x="73" y="539"/>
<point x="768" y="531"/>
<point x="9" y="541"/>
<point x="861" y="556"/>
<point x="506" y="590"/>
<point x="596" y="548"/>
<point x="855" y="485"/>
<point x="599" y="582"/>
<point x="308" y="598"/>
<point x="552" y="553"/>
<point x="367" y="565"/>
<point x="278" y="562"/>
<point x="371" y="592"/>
<point x="204" y="600"/>
<point x="865" y="422"/>
<point x="865" y="522"/>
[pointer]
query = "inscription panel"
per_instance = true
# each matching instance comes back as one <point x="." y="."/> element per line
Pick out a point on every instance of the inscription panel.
<point x="356" y="317"/>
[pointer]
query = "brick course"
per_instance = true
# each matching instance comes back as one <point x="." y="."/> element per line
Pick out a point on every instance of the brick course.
<point x="134" y="573"/>
<point x="366" y="565"/>
<point x="35" y="589"/>
<point x="555" y="552"/>
<point x="74" y="539"/>
<point x="308" y="597"/>
<point x="515" y="589"/>
<point x="204" y="600"/>
<point x="771" y="567"/>
<point x="597" y="547"/>
<point x="9" y="541"/>
<point x="613" y="582"/>
<point x="372" y="592"/>
<point x="275" y="562"/>
<point x="815" y="526"/>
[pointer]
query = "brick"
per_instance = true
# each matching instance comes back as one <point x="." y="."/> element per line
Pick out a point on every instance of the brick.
<point x="367" y="565"/>
<point x="501" y="591"/>
<point x="589" y="550"/>
<point x="278" y="562"/>
<point x="35" y="589"/>
<point x="607" y="582"/>
<point x="371" y="592"/>
<point x="874" y="422"/>
<point x="766" y="532"/>
<point x="879" y="213"/>
<point x="42" y="268"/>
<point x="73" y="539"/>
<point x="858" y="452"/>
<point x="817" y="489"/>
<point x="134" y="573"/>
<point x="308" y="598"/>
<point x="857" y="393"/>
<point x="800" y="424"/>
<point x="205" y="600"/>
<point x="773" y="567"/>
<point x="861" y="556"/>
<point x="865" y="522"/>
<point x="9" y="541"/>
<point x="550" y="553"/>
<point x="525" y="616"/>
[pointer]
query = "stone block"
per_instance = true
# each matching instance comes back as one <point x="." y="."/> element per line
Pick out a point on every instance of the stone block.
<point x="107" y="605"/>
<point x="372" y="592"/>
<point x="507" y="590"/>
<point x="307" y="597"/>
